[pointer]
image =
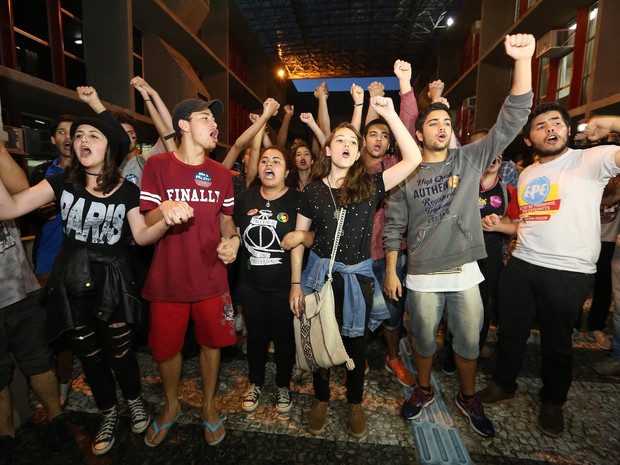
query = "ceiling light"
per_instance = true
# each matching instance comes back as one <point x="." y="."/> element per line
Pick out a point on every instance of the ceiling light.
<point x="78" y="41"/>
<point x="450" y="22"/>
<point x="281" y="72"/>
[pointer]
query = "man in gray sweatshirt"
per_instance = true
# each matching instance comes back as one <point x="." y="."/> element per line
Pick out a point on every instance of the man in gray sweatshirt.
<point x="438" y="207"/>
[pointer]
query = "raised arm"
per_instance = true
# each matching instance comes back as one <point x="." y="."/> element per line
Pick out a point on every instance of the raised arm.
<point x="251" y="168"/>
<point x="88" y="94"/>
<point x="375" y="89"/>
<point x="408" y="102"/>
<point x="409" y="150"/>
<point x="435" y="93"/>
<point x="16" y="199"/>
<point x="520" y="47"/>
<point x="270" y="108"/>
<point x="157" y="110"/>
<point x="322" y="93"/>
<point x="316" y="130"/>
<point x="357" y="94"/>
<point x="289" y="111"/>
<point x="11" y="173"/>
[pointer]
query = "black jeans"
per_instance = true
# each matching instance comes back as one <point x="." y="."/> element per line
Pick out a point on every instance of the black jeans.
<point x="105" y="350"/>
<point x="355" y="346"/>
<point x="529" y="293"/>
<point x="601" y="293"/>
<point x="268" y="316"/>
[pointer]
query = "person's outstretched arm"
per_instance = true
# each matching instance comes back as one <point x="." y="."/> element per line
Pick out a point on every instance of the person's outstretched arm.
<point x="410" y="152"/>
<point x="357" y="94"/>
<point x="316" y="130"/>
<point x="322" y="93"/>
<point x="157" y="110"/>
<point x="289" y="111"/>
<point x="375" y="89"/>
<point x="521" y="47"/>
<point x="270" y="108"/>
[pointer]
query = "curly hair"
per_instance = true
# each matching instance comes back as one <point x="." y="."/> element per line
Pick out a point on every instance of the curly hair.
<point x="358" y="183"/>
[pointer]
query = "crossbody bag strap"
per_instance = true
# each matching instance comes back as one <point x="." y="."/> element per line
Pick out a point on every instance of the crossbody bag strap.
<point x="332" y="259"/>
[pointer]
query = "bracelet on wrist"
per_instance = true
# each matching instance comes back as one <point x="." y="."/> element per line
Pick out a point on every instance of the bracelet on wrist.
<point x="295" y="282"/>
<point x="235" y="235"/>
<point x="358" y="104"/>
<point x="147" y="99"/>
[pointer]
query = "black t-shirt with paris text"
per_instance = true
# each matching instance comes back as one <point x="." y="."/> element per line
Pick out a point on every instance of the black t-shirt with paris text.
<point x="99" y="224"/>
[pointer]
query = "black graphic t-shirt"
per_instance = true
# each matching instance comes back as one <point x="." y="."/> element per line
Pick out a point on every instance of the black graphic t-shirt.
<point x="100" y="224"/>
<point x="316" y="203"/>
<point x="263" y="263"/>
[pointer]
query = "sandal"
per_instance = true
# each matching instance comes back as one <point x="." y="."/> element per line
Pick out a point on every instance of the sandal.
<point x="213" y="429"/>
<point x="158" y="429"/>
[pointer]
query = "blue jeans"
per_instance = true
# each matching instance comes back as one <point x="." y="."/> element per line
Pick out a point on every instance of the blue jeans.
<point x="615" y="284"/>
<point x="464" y="314"/>
<point x="396" y="308"/>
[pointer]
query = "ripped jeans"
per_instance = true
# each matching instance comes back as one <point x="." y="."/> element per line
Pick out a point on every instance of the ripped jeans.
<point x="105" y="350"/>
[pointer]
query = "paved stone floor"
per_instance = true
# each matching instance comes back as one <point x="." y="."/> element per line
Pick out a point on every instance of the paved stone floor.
<point x="592" y="416"/>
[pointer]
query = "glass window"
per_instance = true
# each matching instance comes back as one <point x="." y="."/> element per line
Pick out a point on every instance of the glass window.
<point x="72" y="36"/>
<point x="72" y="6"/>
<point x="587" y="63"/>
<point x="33" y="57"/>
<point x="31" y="18"/>
<point x="76" y="72"/>
<point x="543" y="78"/>
<point x="137" y="41"/>
<point x="565" y="71"/>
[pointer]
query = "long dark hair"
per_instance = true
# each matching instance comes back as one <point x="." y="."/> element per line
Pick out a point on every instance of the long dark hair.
<point x="293" y="176"/>
<point x="358" y="184"/>
<point x="106" y="181"/>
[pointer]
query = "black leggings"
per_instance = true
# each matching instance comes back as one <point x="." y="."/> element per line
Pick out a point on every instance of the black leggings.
<point x="356" y="346"/>
<point x="268" y="316"/>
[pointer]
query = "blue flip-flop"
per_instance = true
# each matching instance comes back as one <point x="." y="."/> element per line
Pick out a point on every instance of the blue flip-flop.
<point x="158" y="429"/>
<point x="213" y="429"/>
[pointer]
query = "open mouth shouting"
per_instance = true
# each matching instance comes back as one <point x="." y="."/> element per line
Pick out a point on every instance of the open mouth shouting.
<point x="268" y="174"/>
<point x="214" y="135"/>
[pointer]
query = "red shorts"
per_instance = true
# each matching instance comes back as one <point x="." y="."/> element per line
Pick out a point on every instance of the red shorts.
<point x="214" y="325"/>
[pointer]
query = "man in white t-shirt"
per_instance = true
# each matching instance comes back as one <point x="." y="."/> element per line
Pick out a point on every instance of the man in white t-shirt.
<point x="553" y="265"/>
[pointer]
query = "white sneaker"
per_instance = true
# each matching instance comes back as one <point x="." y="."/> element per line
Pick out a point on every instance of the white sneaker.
<point x="283" y="400"/>
<point x="140" y="420"/>
<point x="106" y="435"/>
<point x="251" y="398"/>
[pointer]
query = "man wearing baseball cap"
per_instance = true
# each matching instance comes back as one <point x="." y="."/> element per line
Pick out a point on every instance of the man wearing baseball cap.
<point x="188" y="275"/>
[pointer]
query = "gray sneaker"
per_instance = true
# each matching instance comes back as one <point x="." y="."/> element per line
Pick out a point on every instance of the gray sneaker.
<point x="608" y="367"/>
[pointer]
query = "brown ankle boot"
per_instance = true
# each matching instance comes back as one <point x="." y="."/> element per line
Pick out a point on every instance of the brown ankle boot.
<point x="357" y="421"/>
<point x="316" y="419"/>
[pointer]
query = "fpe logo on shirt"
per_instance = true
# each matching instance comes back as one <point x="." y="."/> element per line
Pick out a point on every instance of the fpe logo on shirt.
<point x="536" y="191"/>
<point x="202" y="179"/>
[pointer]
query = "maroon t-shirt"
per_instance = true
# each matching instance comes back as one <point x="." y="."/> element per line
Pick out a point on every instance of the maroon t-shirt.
<point x="185" y="266"/>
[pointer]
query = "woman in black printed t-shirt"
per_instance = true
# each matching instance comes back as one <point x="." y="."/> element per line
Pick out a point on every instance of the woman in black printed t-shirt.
<point x="345" y="183"/>
<point x="265" y="218"/>
<point x="91" y="292"/>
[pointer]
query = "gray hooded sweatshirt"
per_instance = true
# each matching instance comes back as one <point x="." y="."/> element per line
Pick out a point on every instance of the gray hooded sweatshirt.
<point x="437" y="205"/>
